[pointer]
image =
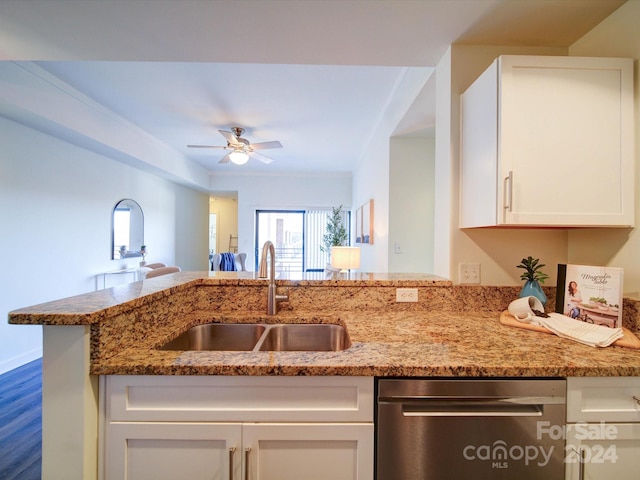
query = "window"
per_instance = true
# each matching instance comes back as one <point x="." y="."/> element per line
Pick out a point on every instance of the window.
<point x="297" y="237"/>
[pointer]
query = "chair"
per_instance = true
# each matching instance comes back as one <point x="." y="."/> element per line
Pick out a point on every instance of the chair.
<point x="155" y="265"/>
<point x="156" y="272"/>
<point x="240" y="261"/>
<point x="142" y="272"/>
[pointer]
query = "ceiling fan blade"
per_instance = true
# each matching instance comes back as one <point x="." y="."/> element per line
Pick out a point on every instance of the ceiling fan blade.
<point x="226" y="158"/>
<point x="204" y="146"/>
<point x="265" y="145"/>
<point x="260" y="157"/>
<point x="231" y="138"/>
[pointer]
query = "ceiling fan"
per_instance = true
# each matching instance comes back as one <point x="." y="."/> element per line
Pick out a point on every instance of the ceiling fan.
<point x="241" y="148"/>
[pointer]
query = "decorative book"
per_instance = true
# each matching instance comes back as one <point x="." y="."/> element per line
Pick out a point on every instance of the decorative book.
<point x="590" y="294"/>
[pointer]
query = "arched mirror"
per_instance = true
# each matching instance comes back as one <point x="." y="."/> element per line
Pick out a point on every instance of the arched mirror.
<point x="127" y="230"/>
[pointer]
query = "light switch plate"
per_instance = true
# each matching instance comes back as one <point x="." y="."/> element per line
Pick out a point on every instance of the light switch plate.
<point x="406" y="294"/>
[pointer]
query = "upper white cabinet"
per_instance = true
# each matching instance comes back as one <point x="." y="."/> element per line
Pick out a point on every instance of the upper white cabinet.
<point x="548" y="141"/>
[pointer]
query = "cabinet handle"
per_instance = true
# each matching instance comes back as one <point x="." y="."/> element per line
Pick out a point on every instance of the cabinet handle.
<point x="637" y="399"/>
<point x="508" y="191"/>
<point x="246" y="463"/>
<point x="232" y="450"/>
<point x="579" y="451"/>
<point x="581" y="464"/>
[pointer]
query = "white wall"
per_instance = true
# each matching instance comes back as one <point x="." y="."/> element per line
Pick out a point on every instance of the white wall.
<point x="189" y="228"/>
<point x="371" y="175"/>
<point x="226" y="210"/>
<point x="617" y="36"/>
<point x="411" y="205"/>
<point x="56" y="201"/>
<point x="263" y="192"/>
<point x="443" y="170"/>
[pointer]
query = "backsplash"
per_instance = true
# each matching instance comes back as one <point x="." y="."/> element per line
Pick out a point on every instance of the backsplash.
<point x="343" y="297"/>
<point x="375" y="297"/>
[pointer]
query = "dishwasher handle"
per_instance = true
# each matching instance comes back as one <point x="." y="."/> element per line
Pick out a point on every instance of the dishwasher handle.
<point x="474" y="407"/>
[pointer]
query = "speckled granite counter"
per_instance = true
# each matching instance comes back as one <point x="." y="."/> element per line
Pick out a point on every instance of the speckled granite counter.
<point x="452" y="330"/>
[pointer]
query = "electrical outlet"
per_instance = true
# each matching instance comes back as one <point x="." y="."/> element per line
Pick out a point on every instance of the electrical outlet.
<point x="469" y="273"/>
<point x="406" y="294"/>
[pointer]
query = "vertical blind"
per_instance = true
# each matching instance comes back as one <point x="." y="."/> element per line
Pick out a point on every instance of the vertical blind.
<point x="315" y="228"/>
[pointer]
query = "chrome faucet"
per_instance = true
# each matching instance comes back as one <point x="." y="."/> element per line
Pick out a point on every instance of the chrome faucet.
<point x="272" y="297"/>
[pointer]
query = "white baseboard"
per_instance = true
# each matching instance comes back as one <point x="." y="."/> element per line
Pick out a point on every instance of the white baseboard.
<point x="19" y="360"/>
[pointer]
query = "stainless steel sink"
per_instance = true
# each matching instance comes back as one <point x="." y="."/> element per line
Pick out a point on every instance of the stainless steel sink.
<point x="218" y="336"/>
<point x="305" y="337"/>
<point x="259" y="337"/>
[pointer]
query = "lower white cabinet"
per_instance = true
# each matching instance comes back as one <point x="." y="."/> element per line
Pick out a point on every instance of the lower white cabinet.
<point x="206" y="451"/>
<point x="163" y="451"/>
<point x="603" y="431"/>
<point x="311" y="451"/>
<point x="603" y="451"/>
<point x="238" y="428"/>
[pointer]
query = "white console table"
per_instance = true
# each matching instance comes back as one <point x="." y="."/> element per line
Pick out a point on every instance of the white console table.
<point x="123" y="271"/>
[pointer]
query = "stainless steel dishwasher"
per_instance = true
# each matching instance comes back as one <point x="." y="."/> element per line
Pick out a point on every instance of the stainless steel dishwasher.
<point x="470" y="429"/>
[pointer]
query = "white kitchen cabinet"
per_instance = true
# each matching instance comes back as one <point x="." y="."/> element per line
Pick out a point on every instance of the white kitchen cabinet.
<point x="216" y="451"/>
<point x="548" y="141"/>
<point x="171" y="451"/>
<point x="603" y="431"/>
<point x="249" y="428"/>
<point x="308" y="451"/>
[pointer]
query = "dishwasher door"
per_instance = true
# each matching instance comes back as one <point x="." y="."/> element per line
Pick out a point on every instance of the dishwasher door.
<point x="470" y="429"/>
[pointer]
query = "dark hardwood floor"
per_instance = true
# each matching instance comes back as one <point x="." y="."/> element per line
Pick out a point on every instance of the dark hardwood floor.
<point x="21" y="422"/>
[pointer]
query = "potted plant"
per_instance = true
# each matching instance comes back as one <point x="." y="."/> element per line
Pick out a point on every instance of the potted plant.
<point x="534" y="277"/>
<point x="336" y="233"/>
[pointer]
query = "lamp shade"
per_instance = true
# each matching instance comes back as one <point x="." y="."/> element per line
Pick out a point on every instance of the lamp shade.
<point x="345" y="258"/>
<point x="238" y="157"/>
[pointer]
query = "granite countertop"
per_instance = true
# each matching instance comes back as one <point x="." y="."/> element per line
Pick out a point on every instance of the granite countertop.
<point x="442" y="336"/>
<point x="94" y="307"/>
<point x="394" y="344"/>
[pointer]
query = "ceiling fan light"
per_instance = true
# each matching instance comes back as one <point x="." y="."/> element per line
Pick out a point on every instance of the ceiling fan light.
<point x="239" y="157"/>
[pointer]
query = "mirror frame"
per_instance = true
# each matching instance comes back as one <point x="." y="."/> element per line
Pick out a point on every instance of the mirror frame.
<point x="137" y="219"/>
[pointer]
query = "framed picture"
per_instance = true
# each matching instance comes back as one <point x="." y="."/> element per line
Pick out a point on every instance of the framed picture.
<point x="359" y="225"/>
<point x="364" y="223"/>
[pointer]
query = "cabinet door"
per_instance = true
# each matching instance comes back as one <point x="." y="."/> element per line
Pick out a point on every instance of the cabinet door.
<point x="309" y="451"/>
<point x="548" y="141"/>
<point x="566" y="141"/>
<point x="597" y="399"/>
<point x="479" y="151"/>
<point x="173" y="451"/>
<point x="602" y="451"/>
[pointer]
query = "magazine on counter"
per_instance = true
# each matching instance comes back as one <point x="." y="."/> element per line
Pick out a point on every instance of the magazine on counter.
<point x="590" y="294"/>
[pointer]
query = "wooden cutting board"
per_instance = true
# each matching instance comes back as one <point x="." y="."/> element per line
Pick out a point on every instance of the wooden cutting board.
<point x="629" y="340"/>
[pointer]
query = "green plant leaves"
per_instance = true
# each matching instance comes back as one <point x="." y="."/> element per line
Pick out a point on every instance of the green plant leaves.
<point x="532" y="267"/>
<point x="336" y="233"/>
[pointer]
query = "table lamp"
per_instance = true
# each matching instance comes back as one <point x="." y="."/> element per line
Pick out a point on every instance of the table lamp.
<point x="345" y="258"/>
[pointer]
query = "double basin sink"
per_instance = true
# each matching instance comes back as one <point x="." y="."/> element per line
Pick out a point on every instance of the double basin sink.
<point x="258" y="337"/>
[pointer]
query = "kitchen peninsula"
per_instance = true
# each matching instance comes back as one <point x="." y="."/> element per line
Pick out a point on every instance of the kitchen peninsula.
<point x="451" y="331"/>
